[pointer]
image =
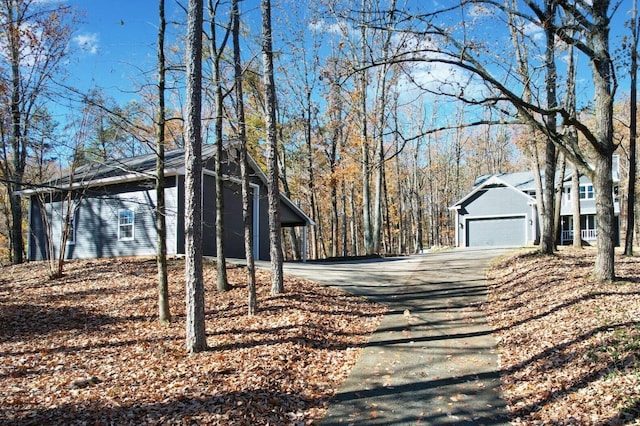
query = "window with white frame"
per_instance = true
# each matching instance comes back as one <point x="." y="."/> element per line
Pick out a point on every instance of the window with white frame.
<point x="71" y="220"/>
<point x="586" y="192"/>
<point x="126" y="225"/>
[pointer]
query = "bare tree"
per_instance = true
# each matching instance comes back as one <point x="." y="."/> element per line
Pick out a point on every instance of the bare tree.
<point x="216" y="55"/>
<point x="244" y="164"/>
<point x="34" y="42"/>
<point x="633" y="110"/>
<point x="196" y="339"/>
<point x="164" y="315"/>
<point x="275" y="238"/>
<point x="590" y="36"/>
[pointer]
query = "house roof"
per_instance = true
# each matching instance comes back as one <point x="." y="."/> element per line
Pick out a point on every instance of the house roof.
<point x="524" y="181"/>
<point x="141" y="167"/>
<point x="517" y="181"/>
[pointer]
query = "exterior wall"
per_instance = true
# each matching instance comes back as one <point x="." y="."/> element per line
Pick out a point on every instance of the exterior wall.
<point x="587" y="206"/>
<point x="96" y="220"/>
<point x="233" y="226"/>
<point x="96" y="223"/>
<point x="495" y="201"/>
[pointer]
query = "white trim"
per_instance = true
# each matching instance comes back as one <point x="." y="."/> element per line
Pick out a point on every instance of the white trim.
<point x="130" y="177"/>
<point x="491" y="181"/>
<point x="133" y="225"/>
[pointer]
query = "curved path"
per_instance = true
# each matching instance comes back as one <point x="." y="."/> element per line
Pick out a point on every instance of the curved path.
<point x="432" y="359"/>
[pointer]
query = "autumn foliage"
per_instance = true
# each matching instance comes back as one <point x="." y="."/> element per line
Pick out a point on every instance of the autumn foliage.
<point x="569" y="346"/>
<point x="88" y="349"/>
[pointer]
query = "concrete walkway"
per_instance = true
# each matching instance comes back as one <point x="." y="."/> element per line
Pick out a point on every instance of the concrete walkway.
<point x="433" y="359"/>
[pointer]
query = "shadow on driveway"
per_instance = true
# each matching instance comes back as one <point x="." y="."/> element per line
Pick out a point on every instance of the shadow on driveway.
<point x="433" y="359"/>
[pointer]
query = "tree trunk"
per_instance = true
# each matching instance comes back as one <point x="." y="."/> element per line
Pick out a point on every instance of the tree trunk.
<point x="18" y="144"/>
<point x="547" y="243"/>
<point x="196" y="339"/>
<point x="575" y="208"/>
<point x="602" y="68"/>
<point x="559" y="191"/>
<point x="277" y="283"/>
<point x="311" y="177"/>
<point x="247" y="214"/>
<point x="344" y="219"/>
<point x="369" y="242"/>
<point x="633" y="110"/>
<point x="222" y="283"/>
<point x="164" y="315"/>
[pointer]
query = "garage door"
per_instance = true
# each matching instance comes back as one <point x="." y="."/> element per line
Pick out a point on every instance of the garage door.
<point x="501" y="231"/>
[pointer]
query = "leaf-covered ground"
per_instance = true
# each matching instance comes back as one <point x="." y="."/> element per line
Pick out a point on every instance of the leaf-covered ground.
<point x="87" y="349"/>
<point x="569" y="346"/>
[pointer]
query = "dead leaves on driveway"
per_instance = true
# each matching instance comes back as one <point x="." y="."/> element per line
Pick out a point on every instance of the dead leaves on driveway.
<point x="87" y="349"/>
<point x="569" y="346"/>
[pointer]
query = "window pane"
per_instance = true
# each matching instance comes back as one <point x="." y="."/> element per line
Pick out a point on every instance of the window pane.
<point x="125" y="224"/>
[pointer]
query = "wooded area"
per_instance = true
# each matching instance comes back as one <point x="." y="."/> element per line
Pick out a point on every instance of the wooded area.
<point x="379" y="116"/>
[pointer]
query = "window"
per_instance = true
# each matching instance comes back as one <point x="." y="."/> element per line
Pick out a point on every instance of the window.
<point x="71" y="238"/>
<point x="586" y="192"/>
<point x="126" y="221"/>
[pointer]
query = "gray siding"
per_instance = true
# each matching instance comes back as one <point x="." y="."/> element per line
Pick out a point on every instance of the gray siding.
<point x="233" y="226"/>
<point x="497" y="201"/>
<point x="96" y="223"/>
<point x="504" y="231"/>
<point x="496" y="215"/>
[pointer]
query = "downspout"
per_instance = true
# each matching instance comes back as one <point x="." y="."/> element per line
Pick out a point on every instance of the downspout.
<point x="304" y="244"/>
<point x="256" y="220"/>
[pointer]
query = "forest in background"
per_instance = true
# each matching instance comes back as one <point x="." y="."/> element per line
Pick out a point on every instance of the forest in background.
<point x="373" y="146"/>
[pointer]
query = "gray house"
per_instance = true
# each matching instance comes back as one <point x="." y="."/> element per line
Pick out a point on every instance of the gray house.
<point x="112" y="209"/>
<point x="501" y="210"/>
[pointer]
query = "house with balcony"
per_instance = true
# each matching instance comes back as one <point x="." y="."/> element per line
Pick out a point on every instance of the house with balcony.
<point x="501" y="210"/>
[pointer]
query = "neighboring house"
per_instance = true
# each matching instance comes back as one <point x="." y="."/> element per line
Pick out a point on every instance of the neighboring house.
<point x="114" y="204"/>
<point x="501" y="210"/>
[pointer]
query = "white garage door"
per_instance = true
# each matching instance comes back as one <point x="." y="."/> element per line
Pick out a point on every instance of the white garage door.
<point x="500" y="231"/>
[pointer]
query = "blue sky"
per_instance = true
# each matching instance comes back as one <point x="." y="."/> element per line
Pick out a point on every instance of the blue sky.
<point x="115" y="44"/>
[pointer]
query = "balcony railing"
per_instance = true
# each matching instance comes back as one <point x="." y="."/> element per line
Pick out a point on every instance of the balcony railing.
<point x="587" y="235"/>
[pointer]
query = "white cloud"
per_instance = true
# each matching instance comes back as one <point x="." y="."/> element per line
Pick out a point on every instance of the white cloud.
<point x="322" y="26"/>
<point x="478" y="11"/>
<point x="87" y="42"/>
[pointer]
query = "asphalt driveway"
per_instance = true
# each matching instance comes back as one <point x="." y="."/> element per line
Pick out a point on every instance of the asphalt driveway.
<point x="432" y="359"/>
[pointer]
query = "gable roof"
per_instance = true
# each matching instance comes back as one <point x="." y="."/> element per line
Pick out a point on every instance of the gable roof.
<point x="519" y="182"/>
<point x="144" y="167"/>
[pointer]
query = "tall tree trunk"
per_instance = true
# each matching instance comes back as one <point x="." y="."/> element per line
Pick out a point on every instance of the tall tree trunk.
<point x="335" y="114"/>
<point x="369" y="237"/>
<point x="311" y="177"/>
<point x="277" y="283"/>
<point x="633" y="110"/>
<point x="559" y="191"/>
<point x="572" y="137"/>
<point x="18" y="144"/>
<point x="164" y="315"/>
<point x="344" y="218"/>
<point x="547" y="243"/>
<point x="354" y="223"/>
<point x="381" y="123"/>
<point x="603" y="77"/>
<point x="247" y="214"/>
<point x="222" y="283"/>
<point x="196" y="339"/>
